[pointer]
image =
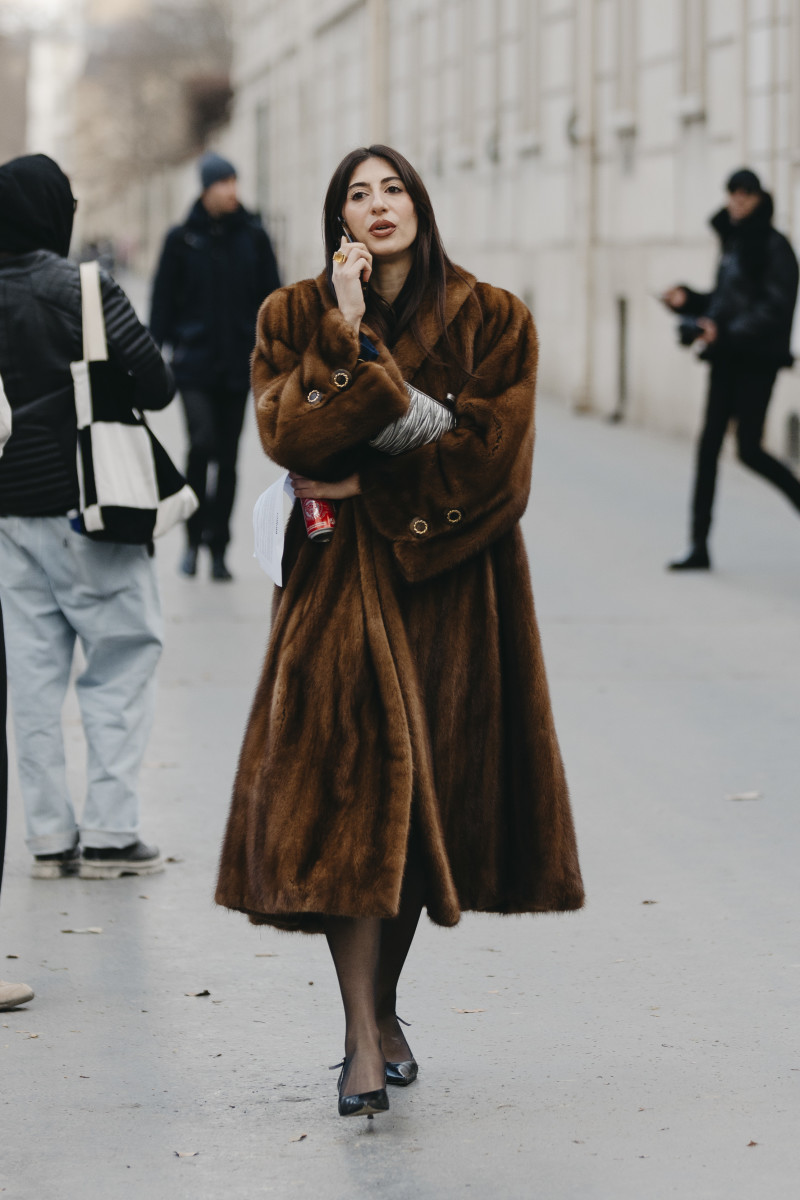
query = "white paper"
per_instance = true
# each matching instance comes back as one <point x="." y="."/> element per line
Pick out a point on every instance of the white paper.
<point x="269" y="526"/>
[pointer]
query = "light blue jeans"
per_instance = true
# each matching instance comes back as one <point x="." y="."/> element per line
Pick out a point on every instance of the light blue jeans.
<point x="57" y="585"/>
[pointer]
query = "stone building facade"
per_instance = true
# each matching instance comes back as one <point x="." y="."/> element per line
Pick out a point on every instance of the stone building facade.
<point x="574" y="150"/>
<point x="124" y="94"/>
<point x="150" y="71"/>
<point x="14" y="76"/>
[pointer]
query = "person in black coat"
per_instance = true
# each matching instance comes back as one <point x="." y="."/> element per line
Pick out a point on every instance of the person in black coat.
<point x="215" y="271"/>
<point x="744" y="326"/>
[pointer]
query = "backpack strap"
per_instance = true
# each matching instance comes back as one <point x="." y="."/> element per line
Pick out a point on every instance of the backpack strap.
<point x="95" y="348"/>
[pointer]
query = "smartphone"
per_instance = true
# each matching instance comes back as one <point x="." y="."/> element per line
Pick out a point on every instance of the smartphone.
<point x="350" y="238"/>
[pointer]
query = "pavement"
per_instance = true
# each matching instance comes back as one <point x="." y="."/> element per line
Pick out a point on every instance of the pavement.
<point x="645" y="1048"/>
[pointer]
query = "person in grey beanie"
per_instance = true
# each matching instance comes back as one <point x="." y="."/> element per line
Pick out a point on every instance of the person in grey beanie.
<point x="215" y="271"/>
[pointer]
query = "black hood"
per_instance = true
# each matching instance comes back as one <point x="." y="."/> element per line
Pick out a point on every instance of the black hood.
<point x="37" y="207"/>
<point x="757" y="225"/>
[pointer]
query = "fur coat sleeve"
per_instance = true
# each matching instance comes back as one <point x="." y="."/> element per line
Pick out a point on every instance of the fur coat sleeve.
<point x="445" y="501"/>
<point x="306" y="422"/>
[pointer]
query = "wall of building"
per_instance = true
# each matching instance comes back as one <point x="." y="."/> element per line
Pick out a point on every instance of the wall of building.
<point x="115" y="92"/>
<point x="573" y="148"/>
<point x="14" y="60"/>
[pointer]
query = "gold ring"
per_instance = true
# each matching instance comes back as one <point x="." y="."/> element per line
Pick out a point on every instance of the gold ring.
<point x="340" y="256"/>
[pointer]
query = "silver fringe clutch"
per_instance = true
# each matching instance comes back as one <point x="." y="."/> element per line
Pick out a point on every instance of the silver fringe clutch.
<point x="426" y="420"/>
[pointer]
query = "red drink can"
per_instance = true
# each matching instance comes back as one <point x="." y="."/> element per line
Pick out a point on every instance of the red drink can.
<point x="320" y="519"/>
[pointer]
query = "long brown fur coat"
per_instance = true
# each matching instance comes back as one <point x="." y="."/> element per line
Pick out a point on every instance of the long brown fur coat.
<point x="404" y="670"/>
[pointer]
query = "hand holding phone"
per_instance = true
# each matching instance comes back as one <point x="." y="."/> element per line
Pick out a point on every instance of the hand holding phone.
<point x="351" y="276"/>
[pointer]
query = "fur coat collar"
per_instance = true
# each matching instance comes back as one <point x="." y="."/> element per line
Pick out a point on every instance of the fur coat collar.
<point x="408" y="353"/>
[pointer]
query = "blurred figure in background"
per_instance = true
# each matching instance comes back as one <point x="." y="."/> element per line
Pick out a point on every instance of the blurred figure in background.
<point x="56" y="584"/>
<point x="11" y="994"/>
<point x="744" y="326"/>
<point x="215" y="271"/>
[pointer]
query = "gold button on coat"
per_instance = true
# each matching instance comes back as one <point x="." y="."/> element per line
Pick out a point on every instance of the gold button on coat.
<point x="314" y="396"/>
<point x="454" y="516"/>
<point x="340" y="379"/>
<point x="419" y="527"/>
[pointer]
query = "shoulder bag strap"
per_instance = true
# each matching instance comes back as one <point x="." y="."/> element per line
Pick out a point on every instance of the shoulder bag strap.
<point x="5" y="417"/>
<point x="95" y="348"/>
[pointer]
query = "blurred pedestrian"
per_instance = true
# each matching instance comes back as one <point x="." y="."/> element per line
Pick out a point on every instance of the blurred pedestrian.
<point x="744" y="326"/>
<point x="57" y="585"/>
<point x="215" y="270"/>
<point x="11" y="994"/>
<point x="401" y="751"/>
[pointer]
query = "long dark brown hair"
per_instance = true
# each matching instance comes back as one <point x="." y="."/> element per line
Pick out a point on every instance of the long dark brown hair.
<point x="430" y="269"/>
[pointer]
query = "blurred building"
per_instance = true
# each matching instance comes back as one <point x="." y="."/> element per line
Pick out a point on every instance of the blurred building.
<point x="573" y="148"/>
<point x="105" y="11"/>
<point x="123" y="94"/>
<point x="14" y="72"/>
<point x="40" y="60"/>
<point x="155" y="82"/>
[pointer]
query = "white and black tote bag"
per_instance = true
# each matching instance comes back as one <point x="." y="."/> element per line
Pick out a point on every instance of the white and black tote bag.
<point x="130" y="490"/>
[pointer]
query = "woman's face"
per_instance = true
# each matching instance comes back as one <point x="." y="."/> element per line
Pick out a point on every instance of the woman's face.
<point x="378" y="210"/>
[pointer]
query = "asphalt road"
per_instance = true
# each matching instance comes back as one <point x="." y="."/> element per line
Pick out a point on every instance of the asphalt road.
<point x="645" y="1048"/>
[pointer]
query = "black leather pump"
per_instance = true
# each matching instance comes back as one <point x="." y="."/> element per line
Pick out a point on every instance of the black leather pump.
<point x="363" y="1104"/>
<point x="401" y="1074"/>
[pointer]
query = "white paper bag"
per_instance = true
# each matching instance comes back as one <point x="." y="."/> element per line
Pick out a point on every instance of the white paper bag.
<point x="269" y="527"/>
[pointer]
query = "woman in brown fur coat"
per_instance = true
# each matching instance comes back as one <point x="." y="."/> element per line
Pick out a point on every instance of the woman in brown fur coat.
<point x="400" y="752"/>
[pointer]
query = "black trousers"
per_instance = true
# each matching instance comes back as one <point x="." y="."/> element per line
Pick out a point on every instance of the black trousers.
<point x="214" y="422"/>
<point x="740" y="393"/>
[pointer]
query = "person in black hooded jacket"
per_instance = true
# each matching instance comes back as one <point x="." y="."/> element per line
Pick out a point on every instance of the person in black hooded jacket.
<point x="56" y="585"/>
<point x="215" y="271"/>
<point x="744" y="326"/>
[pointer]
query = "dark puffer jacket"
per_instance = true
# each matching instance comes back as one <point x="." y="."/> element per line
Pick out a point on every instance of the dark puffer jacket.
<point x="211" y="281"/>
<point x="755" y="292"/>
<point x="40" y="335"/>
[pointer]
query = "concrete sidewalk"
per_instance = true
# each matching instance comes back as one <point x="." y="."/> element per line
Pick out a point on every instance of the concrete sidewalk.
<point x="643" y="1049"/>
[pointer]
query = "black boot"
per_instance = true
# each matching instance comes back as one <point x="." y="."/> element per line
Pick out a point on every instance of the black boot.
<point x="218" y="569"/>
<point x="188" y="565"/>
<point x="56" y="866"/>
<point x="112" y="862"/>
<point x="696" y="560"/>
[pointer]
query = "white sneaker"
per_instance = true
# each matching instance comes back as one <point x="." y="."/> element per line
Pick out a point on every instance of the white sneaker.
<point x="14" y="994"/>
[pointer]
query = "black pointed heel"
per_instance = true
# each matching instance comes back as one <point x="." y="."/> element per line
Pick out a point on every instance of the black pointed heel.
<point x="401" y="1074"/>
<point x="363" y="1104"/>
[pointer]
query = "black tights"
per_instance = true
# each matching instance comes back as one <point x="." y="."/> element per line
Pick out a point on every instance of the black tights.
<point x="369" y="954"/>
<point x="743" y="394"/>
